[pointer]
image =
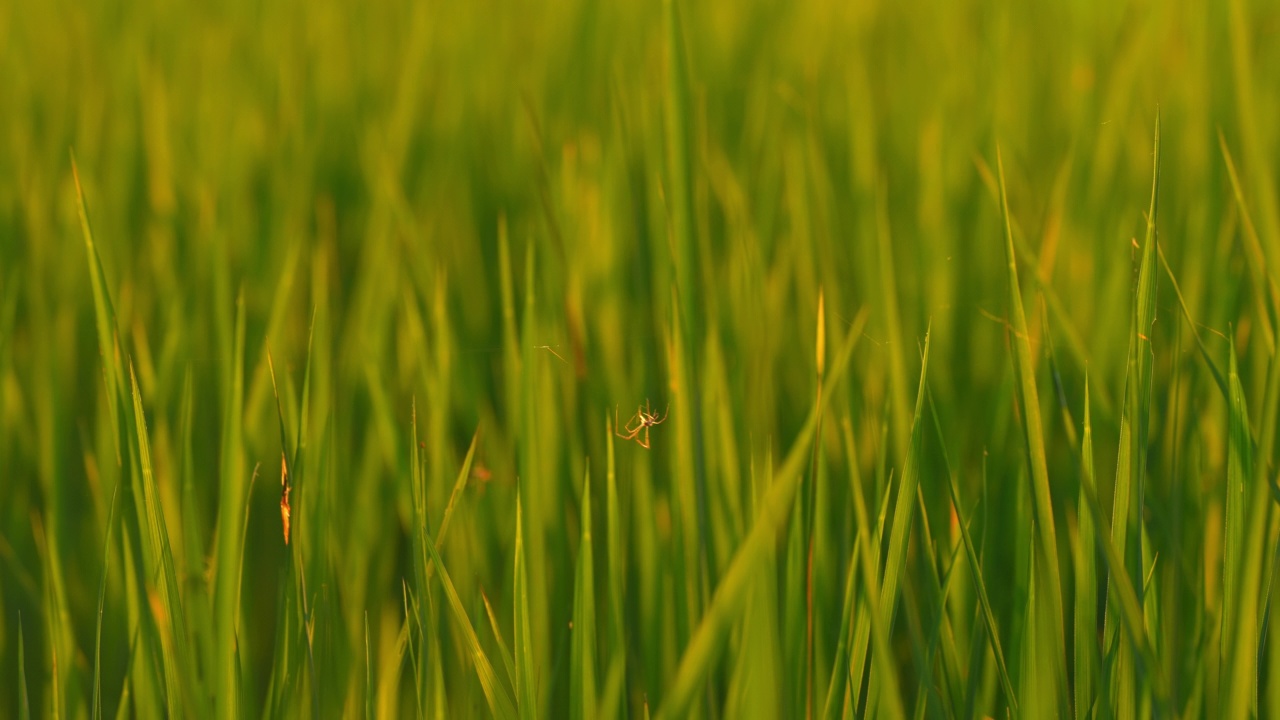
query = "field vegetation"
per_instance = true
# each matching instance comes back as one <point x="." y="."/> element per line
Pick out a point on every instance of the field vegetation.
<point x="641" y="359"/>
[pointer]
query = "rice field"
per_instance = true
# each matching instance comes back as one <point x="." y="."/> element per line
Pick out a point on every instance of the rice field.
<point x="662" y="359"/>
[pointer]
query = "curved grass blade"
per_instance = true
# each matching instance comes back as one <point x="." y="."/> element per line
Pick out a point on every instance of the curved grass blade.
<point x="500" y="704"/>
<point x="508" y="664"/>
<point x="1264" y="277"/>
<point x="1195" y="329"/>
<point x="105" y="319"/>
<point x="459" y="484"/>
<point x="1047" y="536"/>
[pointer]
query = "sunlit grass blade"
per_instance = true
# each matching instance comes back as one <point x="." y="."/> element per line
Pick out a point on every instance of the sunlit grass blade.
<point x="508" y="663"/>
<point x="459" y="484"/>
<point x="419" y="612"/>
<point x="617" y="573"/>
<point x="230" y="546"/>
<point x="1131" y="465"/>
<point x="526" y="670"/>
<point x="1053" y="302"/>
<point x="1086" y="599"/>
<point x="1247" y="508"/>
<point x="898" y="402"/>
<point x="96" y="708"/>
<point x="705" y="645"/>
<point x="1046" y="542"/>
<point x="1195" y="329"/>
<point x="105" y="317"/>
<point x="810" y="510"/>
<point x="582" y="663"/>
<point x="178" y="662"/>
<point x="500" y="704"/>
<point x="1261" y="267"/>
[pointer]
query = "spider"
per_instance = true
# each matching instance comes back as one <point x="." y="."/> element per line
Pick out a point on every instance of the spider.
<point x="643" y="420"/>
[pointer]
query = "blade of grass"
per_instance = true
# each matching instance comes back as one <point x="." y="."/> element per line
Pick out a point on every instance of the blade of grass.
<point x="459" y="484"/>
<point x="582" y="663"/>
<point x="1195" y="329"/>
<point x="421" y="564"/>
<point x="617" y="573"/>
<point x="1057" y="310"/>
<point x="178" y="662"/>
<point x="500" y="704"/>
<point x="96" y="709"/>
<point x="1046" y="537"/>
<point x="1264" y="280"/>
<point x="810" y="511"/>
<point x="230" y="546"/>
<point x="1126" y="525"/>
<point x="893" y="326"/>
<point x="1246" y="512"/>
<point x="1086" y="610"/>
<point x="508" y="664"/>
<point x="105" y="318"/>
<point x="526" y="675"/>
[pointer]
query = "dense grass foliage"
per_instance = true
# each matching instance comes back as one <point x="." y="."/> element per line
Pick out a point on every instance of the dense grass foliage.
<point x="332" y="335"/>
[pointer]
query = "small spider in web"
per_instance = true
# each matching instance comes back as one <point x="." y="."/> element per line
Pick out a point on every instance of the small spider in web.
<point x="642" y="421"/>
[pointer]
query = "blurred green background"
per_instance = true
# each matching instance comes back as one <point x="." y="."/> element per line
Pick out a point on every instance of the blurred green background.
<point x="518" y="217"/>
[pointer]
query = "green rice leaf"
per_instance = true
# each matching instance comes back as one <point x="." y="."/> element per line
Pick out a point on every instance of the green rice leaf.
<point x="1050" y="590"/>
<point x="96" y="709"/>
<point x="1086" y="600"/>
<point x="500" y="703"/>
<point x="582" y="664"/>
<point x="177" y="659"/>
<point x="526" y="669"/>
